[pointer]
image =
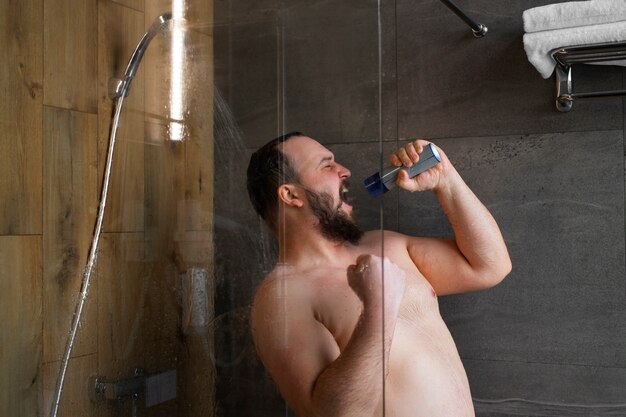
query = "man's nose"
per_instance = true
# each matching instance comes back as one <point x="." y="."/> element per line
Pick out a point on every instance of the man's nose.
<point x="344" y="172"/>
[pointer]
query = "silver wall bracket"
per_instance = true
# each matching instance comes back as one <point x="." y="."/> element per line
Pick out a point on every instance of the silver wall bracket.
<point x="115" y="88"/>
<point x="478" y="29"/>
<point x="155" y="388"/>
<point x="564" y="100"/>
<point x="100" y="389"/>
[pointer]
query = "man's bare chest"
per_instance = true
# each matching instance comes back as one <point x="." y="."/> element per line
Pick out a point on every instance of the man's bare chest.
<point x="338" y="308"/>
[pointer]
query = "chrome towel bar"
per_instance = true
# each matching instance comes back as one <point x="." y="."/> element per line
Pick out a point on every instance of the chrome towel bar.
<point x="566" y="57"/>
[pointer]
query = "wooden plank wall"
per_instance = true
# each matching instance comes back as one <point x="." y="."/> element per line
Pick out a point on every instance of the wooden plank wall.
<point x="55" y="118"/>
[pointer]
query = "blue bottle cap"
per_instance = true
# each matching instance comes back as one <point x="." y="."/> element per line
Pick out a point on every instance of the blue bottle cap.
<point x="374" y="185"/>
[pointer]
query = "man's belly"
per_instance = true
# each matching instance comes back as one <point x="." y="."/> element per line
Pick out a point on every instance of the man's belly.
<point x="426" y="377"/>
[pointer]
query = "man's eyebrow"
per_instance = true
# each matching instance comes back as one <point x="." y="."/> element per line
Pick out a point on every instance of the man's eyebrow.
<point x="326" y="159"/>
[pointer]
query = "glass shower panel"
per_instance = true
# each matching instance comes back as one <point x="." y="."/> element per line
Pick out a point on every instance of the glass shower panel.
<point x="282" y="66"/>
<point x="181" y="251"/>
<point x="156" y="261"/>
<point x="145" y="343"/>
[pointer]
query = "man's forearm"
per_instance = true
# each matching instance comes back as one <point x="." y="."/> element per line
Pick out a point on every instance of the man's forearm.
<point x="477" y="234"/>
<point x="352" y="385"/>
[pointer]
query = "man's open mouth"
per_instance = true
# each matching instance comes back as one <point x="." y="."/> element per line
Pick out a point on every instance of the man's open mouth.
<point x="343" y="193"/>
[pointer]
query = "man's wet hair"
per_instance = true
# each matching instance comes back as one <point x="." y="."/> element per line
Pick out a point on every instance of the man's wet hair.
<point x="268" y="169"/>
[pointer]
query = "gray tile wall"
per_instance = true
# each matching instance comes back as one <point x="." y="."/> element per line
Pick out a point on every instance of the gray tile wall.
<point x="553" y="334"/>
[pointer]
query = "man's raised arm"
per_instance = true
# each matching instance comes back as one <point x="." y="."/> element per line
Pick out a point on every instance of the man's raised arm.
<point x="478" y="257"/>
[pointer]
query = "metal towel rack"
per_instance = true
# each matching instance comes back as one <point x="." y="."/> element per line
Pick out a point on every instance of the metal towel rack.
<point x="566" y="57"/>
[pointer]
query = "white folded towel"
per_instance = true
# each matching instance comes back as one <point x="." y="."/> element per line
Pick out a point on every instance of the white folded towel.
<point x="539" y="44"/>
<point x="573" y="14"/>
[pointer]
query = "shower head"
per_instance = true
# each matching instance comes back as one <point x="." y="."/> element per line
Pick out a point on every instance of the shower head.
<point x="162" y="25"/>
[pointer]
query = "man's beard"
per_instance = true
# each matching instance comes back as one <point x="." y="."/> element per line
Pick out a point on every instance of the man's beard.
<point x="334" y="224"/>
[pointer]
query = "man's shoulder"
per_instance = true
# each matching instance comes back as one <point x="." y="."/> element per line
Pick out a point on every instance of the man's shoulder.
<point x="280" y="283"/>
<point x="280" y="274"/>
<point x="280" y="297"/>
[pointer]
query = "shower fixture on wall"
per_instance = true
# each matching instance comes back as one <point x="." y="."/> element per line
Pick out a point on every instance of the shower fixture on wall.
<point x="160" y="25"/>
<point x="174" y="24"/>
<point x="478" y="29"/>
<point x="119" y="90"/>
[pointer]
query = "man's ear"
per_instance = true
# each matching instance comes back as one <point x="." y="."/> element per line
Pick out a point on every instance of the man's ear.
<point x="290" y="195"/>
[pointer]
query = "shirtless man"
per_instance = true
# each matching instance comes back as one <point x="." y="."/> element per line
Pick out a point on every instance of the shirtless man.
<point x="323" y="326"/>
